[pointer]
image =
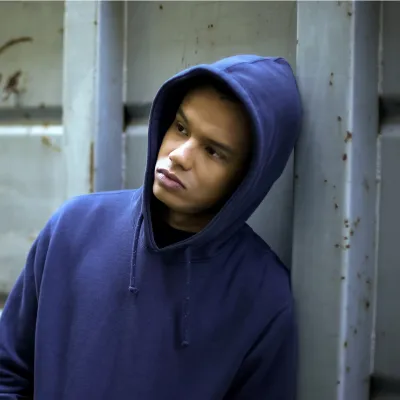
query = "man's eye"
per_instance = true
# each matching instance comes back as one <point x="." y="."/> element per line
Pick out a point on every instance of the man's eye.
<point x="181" y="128"/>
<point x="212" y="152"/>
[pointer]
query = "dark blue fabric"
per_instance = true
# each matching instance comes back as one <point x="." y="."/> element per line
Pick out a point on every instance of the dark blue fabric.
<point x="100" y="312"/>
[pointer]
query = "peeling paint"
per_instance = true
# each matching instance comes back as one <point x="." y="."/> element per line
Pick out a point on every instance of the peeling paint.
<point x="348" y="137"/>
<point x="11" y="85"/>
<point x="46" y="141"/>
<point x="13" y="42"/>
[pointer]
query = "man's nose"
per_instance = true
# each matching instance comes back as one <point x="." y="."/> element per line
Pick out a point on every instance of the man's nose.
<point x="183" y="155"/>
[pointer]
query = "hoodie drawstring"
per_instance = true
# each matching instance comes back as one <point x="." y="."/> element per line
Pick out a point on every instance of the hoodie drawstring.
<point x="132" y="284"/>
<point x="186" y="303"/>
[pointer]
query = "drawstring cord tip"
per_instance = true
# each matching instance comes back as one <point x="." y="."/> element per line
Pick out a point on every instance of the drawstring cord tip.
<point x="133" y="290"/>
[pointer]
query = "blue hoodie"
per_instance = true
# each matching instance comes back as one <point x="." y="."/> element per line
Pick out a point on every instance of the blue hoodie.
<point x="100" y="312"/>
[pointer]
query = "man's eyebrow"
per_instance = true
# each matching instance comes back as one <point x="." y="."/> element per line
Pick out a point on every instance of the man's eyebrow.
<point x="183" y="115"/>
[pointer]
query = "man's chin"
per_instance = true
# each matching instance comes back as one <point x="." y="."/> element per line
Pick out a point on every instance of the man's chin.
<point x="164" y="196"/>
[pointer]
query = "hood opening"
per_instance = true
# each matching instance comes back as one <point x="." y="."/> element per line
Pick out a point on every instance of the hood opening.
<point x="267" y="88"/>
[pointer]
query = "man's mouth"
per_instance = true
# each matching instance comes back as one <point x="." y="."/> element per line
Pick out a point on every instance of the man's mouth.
<point x="169" y="178"/>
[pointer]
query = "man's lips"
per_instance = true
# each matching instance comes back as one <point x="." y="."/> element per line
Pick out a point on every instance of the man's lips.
<point x="171" y="176"/>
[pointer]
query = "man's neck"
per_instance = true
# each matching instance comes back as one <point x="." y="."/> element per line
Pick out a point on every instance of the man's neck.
<point x="186" y="222"/>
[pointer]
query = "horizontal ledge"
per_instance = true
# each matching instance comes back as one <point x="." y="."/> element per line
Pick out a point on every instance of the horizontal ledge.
<point x="389" y="108"/>
<point x="384" y="384"/>
<point x="31" y="115"/>
<point x="31" y="130"/>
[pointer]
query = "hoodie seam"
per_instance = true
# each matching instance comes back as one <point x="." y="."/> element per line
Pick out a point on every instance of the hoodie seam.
<point x="227" y="69"/>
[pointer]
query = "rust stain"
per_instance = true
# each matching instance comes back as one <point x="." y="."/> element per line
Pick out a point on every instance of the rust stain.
<point x="13" y="42"/>
<point x="46" y="141"/>
<point x="91" y="168"/>
<point x="349" y="9"/>
<point x="11" y="85"/>
<point x="366" y="184"/>
<point x="348" y="137"/>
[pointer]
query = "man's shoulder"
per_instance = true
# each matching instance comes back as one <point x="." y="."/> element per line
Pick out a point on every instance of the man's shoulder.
<point x="101" y="202"/>
<point x="272" y="274"/>
<point x="96" y="208"/>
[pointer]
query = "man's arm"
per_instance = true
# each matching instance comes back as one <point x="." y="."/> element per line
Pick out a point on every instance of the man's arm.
<point x="17" y="327"/>
<point x="269" y="370"/>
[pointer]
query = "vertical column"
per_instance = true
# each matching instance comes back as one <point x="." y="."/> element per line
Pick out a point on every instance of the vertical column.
<point x="335" y="195"/>
<point x="387" y="356"/>
<point x="92" y="95"/>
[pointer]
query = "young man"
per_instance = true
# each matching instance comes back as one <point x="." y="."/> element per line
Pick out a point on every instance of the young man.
<point x="164" y="293"/>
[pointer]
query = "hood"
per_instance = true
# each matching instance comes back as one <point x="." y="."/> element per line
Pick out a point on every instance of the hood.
<point x="267" y="88"/>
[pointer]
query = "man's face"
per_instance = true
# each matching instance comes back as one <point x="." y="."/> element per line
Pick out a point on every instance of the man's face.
<point x="203" y="154"/>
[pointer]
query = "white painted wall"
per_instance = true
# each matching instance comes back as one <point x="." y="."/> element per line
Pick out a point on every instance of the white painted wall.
<point x="40" y="60"/>
<point x="31" y="164"/>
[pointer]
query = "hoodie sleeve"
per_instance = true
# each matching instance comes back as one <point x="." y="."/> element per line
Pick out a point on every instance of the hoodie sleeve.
<point x="269" y="370"/>
<point x="17" y="327"/>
